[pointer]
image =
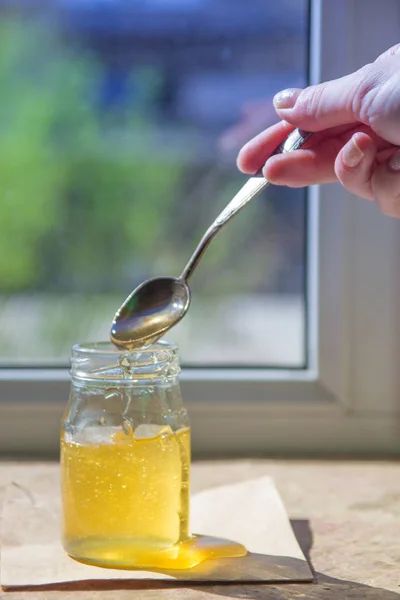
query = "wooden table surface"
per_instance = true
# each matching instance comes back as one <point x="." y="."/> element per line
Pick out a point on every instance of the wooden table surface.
<point x="346" y="516"/>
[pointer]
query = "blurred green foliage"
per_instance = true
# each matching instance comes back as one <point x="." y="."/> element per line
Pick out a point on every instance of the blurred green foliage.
<point x="71" y="199"/>
<point x="86" y="201"/>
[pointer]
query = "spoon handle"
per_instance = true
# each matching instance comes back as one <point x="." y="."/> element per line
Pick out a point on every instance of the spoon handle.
<point x="252" y="188"/>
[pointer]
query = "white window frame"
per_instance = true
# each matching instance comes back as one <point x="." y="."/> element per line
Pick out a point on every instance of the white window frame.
<point x="348" y="399"/>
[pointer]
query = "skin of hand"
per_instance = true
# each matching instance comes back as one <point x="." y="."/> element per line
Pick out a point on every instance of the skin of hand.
<point x="356" y="120"/>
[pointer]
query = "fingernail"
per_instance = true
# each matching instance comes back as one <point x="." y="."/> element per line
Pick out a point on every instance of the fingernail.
<point x="394" y="161"/>
<point x="352" y="154"/>
<point x="286" y="98"/>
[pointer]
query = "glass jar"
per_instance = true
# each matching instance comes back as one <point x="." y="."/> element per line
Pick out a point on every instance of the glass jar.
<point x="125" y="456"/>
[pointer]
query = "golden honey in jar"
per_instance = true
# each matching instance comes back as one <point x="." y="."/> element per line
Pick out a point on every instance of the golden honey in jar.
<point x="125" y="463"/>
<point x="125" y="456"/>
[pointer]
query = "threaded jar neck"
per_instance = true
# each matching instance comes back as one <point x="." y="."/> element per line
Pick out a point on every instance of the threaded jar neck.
<point x="103" y="362"/>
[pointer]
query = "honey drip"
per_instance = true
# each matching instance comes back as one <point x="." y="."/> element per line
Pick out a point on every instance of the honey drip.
<point x="126" y="501"/>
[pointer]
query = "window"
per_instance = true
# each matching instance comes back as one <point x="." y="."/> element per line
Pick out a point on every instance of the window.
<point x="140" y="126"/>
<point x="127" y="119"/>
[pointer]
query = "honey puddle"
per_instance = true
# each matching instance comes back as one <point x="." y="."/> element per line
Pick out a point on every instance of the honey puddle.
<point x="126" y="502"/>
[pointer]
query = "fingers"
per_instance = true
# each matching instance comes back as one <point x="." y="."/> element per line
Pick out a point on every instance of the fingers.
<point x="371" y="174"/>
<point x="354" y="165"/>
<point x="254" y="154"/>
<point x="309" y="166"/>
<point x="385" y="184"/>
<point x="300" y="168"/>
<point x="258" y="150"/>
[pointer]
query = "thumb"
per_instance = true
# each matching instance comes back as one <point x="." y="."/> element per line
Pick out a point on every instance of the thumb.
<point x="360" y="97"/>
<point x="349" y="99"/>
<point x="323" y="106"/>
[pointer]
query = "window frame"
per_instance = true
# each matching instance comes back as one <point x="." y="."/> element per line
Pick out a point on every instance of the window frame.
<point x="347" y="401"/>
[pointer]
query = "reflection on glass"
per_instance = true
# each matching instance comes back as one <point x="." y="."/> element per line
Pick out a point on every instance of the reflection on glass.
<point x="119" y="127"/>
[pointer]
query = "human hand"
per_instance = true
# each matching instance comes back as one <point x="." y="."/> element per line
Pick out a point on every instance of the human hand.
<point x="356" y="120"/>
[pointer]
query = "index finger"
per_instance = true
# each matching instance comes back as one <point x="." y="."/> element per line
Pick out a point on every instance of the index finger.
<point x="254" y="154"/>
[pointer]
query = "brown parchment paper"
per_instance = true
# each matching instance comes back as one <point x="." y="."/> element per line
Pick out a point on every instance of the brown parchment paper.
<point x="251" y="513"/>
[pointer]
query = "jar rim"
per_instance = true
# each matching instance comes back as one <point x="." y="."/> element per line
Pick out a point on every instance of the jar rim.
<point x="108" y="348"/>
<point x="102" y="361"/>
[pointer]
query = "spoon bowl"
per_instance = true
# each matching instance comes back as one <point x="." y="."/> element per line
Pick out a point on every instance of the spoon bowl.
<point x="149" y="311"/>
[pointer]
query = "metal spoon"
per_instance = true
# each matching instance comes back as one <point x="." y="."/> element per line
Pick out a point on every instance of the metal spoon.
<point x="158" y="304"/>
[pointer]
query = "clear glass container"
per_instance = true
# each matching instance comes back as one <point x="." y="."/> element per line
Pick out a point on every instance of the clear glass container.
<point x="125" y="456"/>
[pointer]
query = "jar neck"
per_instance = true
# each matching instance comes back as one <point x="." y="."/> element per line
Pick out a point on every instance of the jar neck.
<point x="103" y="363"/>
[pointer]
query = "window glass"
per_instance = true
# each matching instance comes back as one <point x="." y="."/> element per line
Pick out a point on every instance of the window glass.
<point x="120" y="122"/>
